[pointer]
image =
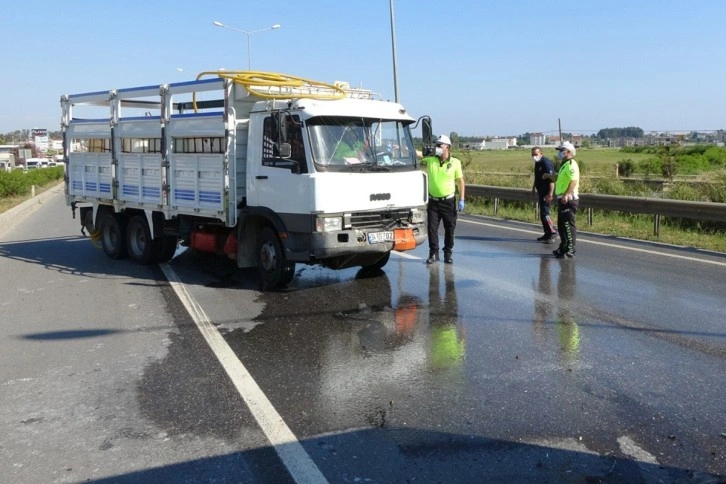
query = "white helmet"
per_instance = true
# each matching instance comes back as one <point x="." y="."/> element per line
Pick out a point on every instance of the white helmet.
<point x="567" y="146"/>
<point x="443" y="140"/>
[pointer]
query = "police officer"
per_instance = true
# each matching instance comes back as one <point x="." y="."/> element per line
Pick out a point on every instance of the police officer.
<point x="566" y="191"/>
<point x="445" y="174"/>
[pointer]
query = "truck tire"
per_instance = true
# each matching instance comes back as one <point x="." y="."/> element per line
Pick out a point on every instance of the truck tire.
<point x="275" y="270"/>
<point x="165" y="248"/>
<point x="139" y="242"/>
<point x="112" y="228"/>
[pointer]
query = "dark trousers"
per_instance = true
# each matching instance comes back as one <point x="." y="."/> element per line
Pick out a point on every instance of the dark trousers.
<point x="544" y="216"/>
<point x="566" y="224"/>
<point x="438" y="211"/>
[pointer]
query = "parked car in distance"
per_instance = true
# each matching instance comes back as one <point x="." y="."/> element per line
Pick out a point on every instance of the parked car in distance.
<point x="35" y="163"/>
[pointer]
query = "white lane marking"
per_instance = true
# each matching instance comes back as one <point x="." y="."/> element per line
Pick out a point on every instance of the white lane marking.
<point x="606" y="244"/>
<point x="406" y="255"/>
<point x="291" y="452"/>
<point x="631" y="449"/>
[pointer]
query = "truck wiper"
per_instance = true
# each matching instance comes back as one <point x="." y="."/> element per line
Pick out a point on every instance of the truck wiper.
<point x="373" y="166"/>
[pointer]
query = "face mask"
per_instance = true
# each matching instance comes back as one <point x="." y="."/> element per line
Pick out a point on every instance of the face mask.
<point x="537" y="158"/>
<point x="561" y="155"/>
<point x="439" y="151"/>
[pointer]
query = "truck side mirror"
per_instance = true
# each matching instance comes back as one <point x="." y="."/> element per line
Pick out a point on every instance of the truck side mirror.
<point x="427" y="135"/>
<point x="284" y="150"/>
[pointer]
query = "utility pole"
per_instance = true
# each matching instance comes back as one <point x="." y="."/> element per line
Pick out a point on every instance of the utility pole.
<point x="393" y="48"/>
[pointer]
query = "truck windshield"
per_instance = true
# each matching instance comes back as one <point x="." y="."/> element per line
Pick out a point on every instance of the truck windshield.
<point x="360" y="144"/>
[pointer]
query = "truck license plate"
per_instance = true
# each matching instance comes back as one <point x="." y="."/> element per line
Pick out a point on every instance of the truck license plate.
<point x="378" y="237"/>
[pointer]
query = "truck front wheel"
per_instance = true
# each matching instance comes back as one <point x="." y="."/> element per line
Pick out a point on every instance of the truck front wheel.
<point x="139" y="242"/>
<point x="274" y="268"/>
<point x="112" y="230"/>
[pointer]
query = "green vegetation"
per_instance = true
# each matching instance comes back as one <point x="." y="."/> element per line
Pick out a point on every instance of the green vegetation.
<point x="18" y="183"/>
<point x="629" y="132"/>
<point x="15" y="186"/>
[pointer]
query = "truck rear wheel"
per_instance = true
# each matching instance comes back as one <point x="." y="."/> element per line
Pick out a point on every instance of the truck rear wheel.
<point x="112" y="228"/>
<point x="274" y="268"/>
<point x="139" y="242"/>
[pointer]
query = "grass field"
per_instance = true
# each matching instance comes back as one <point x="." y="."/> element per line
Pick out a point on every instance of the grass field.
<point x="514" y="168"/>
<point x="479" y="165"/>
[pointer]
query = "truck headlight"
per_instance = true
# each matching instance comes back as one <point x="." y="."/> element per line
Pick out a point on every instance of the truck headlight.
<point x="328" y="224"/>
<point x="418" y="216"/>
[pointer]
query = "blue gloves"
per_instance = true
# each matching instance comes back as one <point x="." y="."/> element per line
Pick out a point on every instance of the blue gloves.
<point x="461" y="205"/>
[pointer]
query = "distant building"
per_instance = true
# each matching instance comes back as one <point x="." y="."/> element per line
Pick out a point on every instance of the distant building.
<point x="475" y="145"/>
<point x="500" y="144"/>
<point x="537" y="139"/>
<point x="7" y="161"/>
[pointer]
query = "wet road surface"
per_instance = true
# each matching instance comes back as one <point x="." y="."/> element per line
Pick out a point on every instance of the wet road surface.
<point x="508" y="365"/>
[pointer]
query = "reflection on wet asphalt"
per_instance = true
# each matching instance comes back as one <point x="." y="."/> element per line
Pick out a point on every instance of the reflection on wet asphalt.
<point x="503" y="345"/>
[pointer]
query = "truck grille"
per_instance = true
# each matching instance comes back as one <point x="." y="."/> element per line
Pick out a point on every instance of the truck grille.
<point x="372" y="220"/>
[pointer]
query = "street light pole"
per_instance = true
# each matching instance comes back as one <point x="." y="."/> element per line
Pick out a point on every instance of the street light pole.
<point x="393" y="49"/>
<point x="217" y="23"/>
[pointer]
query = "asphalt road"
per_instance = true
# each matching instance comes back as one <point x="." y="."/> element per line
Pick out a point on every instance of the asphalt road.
<point x="508" y="365"/>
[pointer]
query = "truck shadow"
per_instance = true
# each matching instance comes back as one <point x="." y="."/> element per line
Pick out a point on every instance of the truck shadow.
<point x="76" y="256"/>
<point x="72" y="255"/>
<point x="415" y="454"/>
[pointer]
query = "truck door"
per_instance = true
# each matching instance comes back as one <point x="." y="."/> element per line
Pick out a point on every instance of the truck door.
<point x="281" y="178"/>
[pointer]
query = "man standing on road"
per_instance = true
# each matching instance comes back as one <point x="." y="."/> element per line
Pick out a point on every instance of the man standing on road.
<point x="568" y="199"/>
<point x="444" y="173"/>
<point x="545" y="188"/>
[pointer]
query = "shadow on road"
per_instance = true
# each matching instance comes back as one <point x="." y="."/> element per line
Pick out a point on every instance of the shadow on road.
<point x="407" y="455"/>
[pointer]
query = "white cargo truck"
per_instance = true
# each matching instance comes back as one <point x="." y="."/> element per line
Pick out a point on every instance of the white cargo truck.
<point x="266" y="169"/>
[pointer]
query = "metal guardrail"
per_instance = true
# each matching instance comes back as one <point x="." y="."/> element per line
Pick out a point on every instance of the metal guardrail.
<point x="657" y="207"/>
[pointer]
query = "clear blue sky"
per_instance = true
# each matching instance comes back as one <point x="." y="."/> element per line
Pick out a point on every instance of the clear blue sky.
<point x="477" y="68"/>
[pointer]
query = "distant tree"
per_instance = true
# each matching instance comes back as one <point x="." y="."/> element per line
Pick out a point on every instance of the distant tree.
<point x="523" y="139"/>
<point x="454" y="138"/>
<point x="629" y="132"/>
